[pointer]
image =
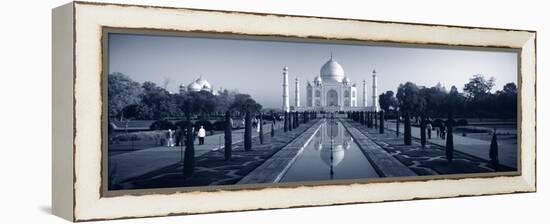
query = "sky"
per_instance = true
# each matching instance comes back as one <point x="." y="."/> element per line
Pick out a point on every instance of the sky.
<point x="255" y="67"/>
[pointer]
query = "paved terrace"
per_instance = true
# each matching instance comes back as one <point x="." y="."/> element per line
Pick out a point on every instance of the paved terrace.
<point x="430" y="160"/>
<point x="140" y="162"/>
<point x="507" y="153"/>
<point x="210" y="167"/>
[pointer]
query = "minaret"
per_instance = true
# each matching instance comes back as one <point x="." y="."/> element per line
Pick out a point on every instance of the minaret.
<point x="365" y="93"/>
<point x="374" y="92"/>
<point x="286" y="104"/>
<point x="297" y="94"/>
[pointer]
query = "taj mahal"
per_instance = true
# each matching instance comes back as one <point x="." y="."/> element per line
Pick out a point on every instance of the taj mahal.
<point x="330" y="91"/>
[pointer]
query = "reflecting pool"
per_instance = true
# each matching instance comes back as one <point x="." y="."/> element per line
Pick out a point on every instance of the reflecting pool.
<point x="330" y="155"/>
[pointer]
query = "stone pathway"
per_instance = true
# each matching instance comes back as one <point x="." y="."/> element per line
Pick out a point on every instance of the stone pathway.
<point x="131" y="164"/>
<point x="384" y="163"/>
<point x="211" y="168"/>
<point x="507" y="153"/>
<point x="426" y="161"/>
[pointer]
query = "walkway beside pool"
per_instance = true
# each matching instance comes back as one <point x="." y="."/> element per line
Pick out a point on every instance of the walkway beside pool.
<point x="430" y="160"/>
<point x="139" y="162"/>
<point x="507" y="153"/>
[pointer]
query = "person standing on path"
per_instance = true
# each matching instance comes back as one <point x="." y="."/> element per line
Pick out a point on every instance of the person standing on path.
<point x="170" y="138"/>
<point x="201" y="135"/>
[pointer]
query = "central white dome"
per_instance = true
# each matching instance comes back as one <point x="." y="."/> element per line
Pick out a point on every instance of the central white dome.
<point x="332" y="71"/>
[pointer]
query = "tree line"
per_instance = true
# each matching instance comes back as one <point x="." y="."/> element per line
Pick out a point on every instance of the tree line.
<point x="476" y="100"/>
<point x="128" y="99"/>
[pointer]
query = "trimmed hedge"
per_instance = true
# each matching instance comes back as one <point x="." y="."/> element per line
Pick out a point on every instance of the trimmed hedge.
<point x="182" y="124"/>
<point x="219" y="125"/>
<point x="206" y="124"/>
<point x="162" y="125"/>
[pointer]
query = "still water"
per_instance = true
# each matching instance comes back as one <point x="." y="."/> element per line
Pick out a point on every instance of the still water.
<point x="330" y="155"/>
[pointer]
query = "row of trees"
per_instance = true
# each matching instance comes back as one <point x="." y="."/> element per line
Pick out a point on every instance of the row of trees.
<point x="476" y="100"/>
<point x="128" y="99"/>
<point x="369" y="118"/>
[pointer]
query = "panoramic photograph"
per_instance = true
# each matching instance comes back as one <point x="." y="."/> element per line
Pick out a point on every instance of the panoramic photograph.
<point x="198" y="111"/>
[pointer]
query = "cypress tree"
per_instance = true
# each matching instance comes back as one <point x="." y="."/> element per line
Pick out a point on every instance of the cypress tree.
<point x="293" y="120"/>
<point x="449" y="146"/>
<point x="368" y="121"/>
<point x="290" y="121"/>
<point x="296" y="120"/>
<point x="189" y="156"/>
<point x="407" y="135"/>
<point x="371" y="120"/>
<point x="247" y="131"/>
<point x="381" y="129"/>
<point x="423" y="130"/>
<point x="297" y="123"/>
<point x="375" y="114"/>
<point x="261" y="128"/>
<point x="285" y="121"/>
<point x="227" y="136"/>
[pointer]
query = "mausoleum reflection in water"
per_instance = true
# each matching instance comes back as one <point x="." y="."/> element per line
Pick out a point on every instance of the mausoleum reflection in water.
<point x="331" y="154"/>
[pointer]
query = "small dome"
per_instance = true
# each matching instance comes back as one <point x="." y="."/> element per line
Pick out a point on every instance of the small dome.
<point x="205" y="85"/>
<point x="194" y="87"/>
<point x="332" y="71"/>
<point x="318" y="80"/>
<point x="198" y="85"/>
<point x="347" y="80"/>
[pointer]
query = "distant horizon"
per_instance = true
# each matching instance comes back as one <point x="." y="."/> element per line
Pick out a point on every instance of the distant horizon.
<point x="230" y="64"/>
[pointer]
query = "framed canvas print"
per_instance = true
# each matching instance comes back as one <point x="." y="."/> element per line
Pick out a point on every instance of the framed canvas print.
<point x="164" y="111"/>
